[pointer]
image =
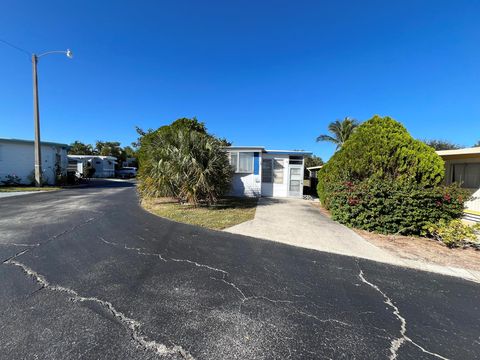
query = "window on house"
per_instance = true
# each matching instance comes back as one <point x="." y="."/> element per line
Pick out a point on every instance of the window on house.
<point x="278" y="172"/>
<point x="242" y="162"/>
<point x="468" y="175"/>
<point x="245" y="162"/>
<point x="296" y="160"/>
<point x="267" y="170"/>
<point x="234" y="160"/>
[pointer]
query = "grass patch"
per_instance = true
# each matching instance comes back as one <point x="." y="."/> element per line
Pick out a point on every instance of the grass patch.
<point x="227" y="212"/>
<point x="27" y="188"/>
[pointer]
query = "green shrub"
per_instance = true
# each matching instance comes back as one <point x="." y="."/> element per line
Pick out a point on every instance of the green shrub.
<point x="389" y="207"/>
<point x="455" y="233"/>
<point x="11" y="180"/>
<point x="183" y="161"/>
<point x="384" y="180"/>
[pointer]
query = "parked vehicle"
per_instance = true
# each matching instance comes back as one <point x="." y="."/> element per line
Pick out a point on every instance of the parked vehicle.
<point x="126" y="172"/>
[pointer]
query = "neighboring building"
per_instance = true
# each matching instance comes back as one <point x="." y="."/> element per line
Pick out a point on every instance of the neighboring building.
<point x="260" y="172"/>
<point x="463" y="166"/>
<point x="312" y="171"/>
<point x="17" y="157"/>
<point x="104" y="165"/>
<point x="130" y="162"/>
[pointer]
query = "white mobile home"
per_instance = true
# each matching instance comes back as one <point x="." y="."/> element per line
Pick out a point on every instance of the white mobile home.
<point x="463" y="166"/>
<point x="260" y="172"/>
<point x="104" y="165"/>
<point x="17" y="157"/>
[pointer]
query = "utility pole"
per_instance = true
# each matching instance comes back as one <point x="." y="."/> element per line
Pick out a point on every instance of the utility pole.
<point x="36" y="119"/>
<point x="36" y="113"/>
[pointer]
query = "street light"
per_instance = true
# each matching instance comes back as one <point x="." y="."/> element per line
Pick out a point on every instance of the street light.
<point x="36" y="113"/>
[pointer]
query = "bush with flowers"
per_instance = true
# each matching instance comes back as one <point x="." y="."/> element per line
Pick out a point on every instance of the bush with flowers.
<point x="383" y="180"/>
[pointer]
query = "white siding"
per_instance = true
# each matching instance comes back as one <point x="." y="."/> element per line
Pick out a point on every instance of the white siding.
<point x="19" y="159"/>
<point x="246" y="185"/>
<point x="473" y="204"/>
<point x="255" y="185"/>
<point x="104" y="165"/>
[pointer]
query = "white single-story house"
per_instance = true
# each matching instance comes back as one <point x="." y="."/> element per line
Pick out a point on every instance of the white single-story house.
<point x="463" y="166"/>
<point x="104" y="165"/>
<point x="17" y="157"/>
<point x="260" y="172"/>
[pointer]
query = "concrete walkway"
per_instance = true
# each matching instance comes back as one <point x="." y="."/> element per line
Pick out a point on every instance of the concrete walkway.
<point x="296" y="222"/>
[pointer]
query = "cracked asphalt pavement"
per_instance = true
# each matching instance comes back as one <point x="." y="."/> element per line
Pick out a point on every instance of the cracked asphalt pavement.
<point x="87" y="274"/>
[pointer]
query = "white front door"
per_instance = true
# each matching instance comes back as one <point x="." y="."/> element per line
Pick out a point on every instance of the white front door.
<point x="295" y="181"/>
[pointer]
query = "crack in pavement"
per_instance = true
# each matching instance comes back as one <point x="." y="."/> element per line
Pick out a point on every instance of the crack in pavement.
<point x="50" y="239"/>
<point x="131" y="324"/>
<point x="141" y="251"/>
<point x="243" y="297"/>
<point x="20" y="245"/>
<point x="398" y="342"/>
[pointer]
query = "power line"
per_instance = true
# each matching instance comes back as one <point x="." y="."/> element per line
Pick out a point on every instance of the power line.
<point x="16" y="47"/>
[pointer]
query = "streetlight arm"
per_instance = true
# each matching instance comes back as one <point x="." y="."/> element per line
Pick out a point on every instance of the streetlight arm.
<point x="67" y="52"/>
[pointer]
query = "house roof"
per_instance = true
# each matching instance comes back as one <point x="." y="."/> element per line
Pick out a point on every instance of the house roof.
<point x="73" y="156"/>
<point x="473" y="152"/>
<point x="262" y="149"/>
<point x="22" y="141"/>
<point x="247" y="148"/>
<point x="289" y="152"/>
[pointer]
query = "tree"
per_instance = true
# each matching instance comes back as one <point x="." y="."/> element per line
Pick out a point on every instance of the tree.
<point x="309" y="161"/>
<point x="341" y="131"/>
<point x="108" y="148"/>
<point x="382" y="148"/>
<point x="477" y="144"/>
<point x="182" y="160"/>
<point x="439" y="144"/>
<point x="79" y="148"/>
<point x="312" y="160"/>
<point x="384" y="180"/>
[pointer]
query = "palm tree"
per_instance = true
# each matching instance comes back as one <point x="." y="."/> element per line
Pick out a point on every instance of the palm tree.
<point x="178" y="161"/>
<point x="341" y="131"/>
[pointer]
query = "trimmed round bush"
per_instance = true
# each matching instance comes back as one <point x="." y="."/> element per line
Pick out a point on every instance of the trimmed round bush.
<point x="384" y="180"/>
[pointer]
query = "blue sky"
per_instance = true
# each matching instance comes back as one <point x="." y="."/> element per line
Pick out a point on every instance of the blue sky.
<point x="272" y="73"/>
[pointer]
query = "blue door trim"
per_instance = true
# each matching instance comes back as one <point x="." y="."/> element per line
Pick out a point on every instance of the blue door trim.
<point x="256" y="163"/>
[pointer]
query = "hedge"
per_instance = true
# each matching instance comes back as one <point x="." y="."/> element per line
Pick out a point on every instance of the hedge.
<point x="388" y="207"/>
<point x="384" y="180"/>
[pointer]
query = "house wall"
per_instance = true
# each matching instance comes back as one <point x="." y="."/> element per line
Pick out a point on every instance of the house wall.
<point x="272" y="189"/>
<point x="104" y="167"/>
<point x="473" y="204"/>
<point x="251" y="184"/>
<point x="248" y="184"/>
<point x="19" y="159"/>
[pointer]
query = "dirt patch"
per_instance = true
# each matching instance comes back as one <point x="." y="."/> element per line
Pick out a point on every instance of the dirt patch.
<point x="419" y="248"/>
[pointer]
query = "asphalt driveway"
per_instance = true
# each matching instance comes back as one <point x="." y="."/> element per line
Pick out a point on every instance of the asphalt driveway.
<point x="87" y="274"/>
